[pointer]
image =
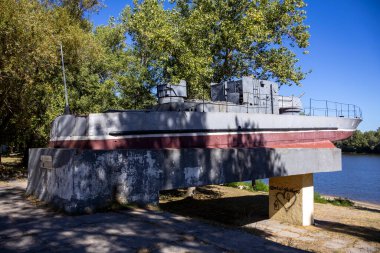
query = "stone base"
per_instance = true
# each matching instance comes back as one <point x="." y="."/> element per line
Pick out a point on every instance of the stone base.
<point x="86" y="180"/>
<point x="291" y="199"/>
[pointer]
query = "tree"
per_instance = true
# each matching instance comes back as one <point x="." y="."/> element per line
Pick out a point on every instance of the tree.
<point x="362" y="142"/>
<point x="31" y="90"/>
<point x="211" y="41"/>
<point x="124" y="70"/>
<point x="199" y="41"/>
<point x="76" y="9"/>
<point x="26" y="57"/>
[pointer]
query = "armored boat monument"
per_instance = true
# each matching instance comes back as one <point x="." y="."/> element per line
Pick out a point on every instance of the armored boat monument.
<point x="246" y="131"/>
<point x="244" y="113"/>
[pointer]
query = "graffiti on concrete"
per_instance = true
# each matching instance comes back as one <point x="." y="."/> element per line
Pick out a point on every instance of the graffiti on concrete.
<point x="285" y="197"/>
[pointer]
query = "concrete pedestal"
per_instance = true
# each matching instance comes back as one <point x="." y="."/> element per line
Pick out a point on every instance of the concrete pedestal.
<point x="291" y="199"/>
<point x="80" y="181"/>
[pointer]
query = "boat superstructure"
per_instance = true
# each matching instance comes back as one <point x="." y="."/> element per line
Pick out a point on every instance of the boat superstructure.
<point x="242" y="113"/>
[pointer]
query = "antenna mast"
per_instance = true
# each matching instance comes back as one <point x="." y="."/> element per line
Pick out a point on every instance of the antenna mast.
<point x="67" y="108"/>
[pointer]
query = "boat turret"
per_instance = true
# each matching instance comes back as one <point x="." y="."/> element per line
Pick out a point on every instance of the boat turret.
<point x="260" y="95"/>
<point x="169" y="93"/>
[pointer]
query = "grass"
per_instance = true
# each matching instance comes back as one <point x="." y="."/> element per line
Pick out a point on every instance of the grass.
<point x="334" y="201"/>
<point x="259" y="186"/>
<point x="263" y="187"/>
<point x="12" y="168"/>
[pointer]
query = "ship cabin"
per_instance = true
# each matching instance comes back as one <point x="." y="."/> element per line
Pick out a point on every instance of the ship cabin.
<point x="246" y="95"/>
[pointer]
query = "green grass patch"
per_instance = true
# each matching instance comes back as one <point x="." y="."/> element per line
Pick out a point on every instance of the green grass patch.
<point x="259" y="186"/>
<point x="11" y="168"/>
<point x="240" y="185"/>
<point x="335" y="201"/>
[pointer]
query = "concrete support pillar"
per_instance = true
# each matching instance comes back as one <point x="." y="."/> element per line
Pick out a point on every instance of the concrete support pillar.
<point x="291" y="199"/>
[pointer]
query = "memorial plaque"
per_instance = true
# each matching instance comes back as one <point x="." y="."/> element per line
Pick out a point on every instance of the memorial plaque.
<point x="46" y="161"/>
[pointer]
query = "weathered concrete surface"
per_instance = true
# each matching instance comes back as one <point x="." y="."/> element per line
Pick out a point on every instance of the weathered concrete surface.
<point x="291" y="199"/>
<point x="84" y="180"/>
<point x="27" y="228"/>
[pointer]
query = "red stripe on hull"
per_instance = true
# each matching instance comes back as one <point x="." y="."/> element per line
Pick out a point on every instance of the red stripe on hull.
<point x="318" y="144"/>
<point x="316" y="139"/>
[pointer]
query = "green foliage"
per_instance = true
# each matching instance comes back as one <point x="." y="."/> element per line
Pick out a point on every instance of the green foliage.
<point x="199" y="41"/>
<point x="31" y="87"/>
<point x="27" y="58"/>
<point x="11" y="168"/>
<point x="319" y="199"/>
<point x="335" y="201"/>
<point x="362" y="142"/>
<point x="259" y="186"/>
<point x="211" y="41"/>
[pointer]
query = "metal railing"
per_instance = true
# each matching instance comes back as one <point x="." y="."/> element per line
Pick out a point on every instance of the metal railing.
<point x="332" y="109"/>
<point x="266" y="103"/>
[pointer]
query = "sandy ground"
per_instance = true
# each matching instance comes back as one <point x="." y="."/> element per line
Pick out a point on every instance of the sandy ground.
<point x="222" y="214"/>
<point x="336" y="229"/>
<point x="26" y="227"/>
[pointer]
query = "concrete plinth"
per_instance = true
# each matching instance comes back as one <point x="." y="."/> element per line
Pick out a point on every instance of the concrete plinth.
<point x="86" y="180"/>
<point x="291" y="199"/>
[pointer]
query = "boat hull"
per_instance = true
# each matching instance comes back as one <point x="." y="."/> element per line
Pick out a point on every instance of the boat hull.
<point x="159" y="130"/>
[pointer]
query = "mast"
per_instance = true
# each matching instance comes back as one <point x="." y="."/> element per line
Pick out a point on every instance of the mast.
<point x="67" y="108"/>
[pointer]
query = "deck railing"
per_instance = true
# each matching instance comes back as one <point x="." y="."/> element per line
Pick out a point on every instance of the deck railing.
<point x="332" y="109"/>
<point x="264" y="103"/>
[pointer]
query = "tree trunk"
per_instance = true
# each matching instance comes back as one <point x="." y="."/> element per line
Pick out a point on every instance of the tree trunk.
<point x="190" y="192"/>
<point x="254" y="183"/>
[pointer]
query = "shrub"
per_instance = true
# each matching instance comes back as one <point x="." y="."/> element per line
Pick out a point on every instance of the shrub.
<point x="261" y="186"/>
<point x="335" y="201"/>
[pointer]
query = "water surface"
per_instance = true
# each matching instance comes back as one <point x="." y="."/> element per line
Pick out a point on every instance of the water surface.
<point x="359" y="179"/>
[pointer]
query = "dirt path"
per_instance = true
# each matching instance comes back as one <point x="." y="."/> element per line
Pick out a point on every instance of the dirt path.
<point x="337" y="229"/>
<point x="25" y="227"/>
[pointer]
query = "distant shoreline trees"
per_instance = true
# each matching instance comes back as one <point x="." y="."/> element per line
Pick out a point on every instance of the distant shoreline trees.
<point x="361" y="142"/>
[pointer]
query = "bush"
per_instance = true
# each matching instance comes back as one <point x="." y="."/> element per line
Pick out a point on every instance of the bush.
<point x="335" y="201"/>
<point x="319" y="199"/>
<point x="261" y="186"/>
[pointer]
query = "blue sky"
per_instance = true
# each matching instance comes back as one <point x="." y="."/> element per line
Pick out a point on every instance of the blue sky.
<point x="344" y="53"/>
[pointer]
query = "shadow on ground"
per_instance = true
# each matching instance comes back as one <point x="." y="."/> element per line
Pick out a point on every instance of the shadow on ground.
<point x="237" y="211"/>
<point x="25" y="227"/>
<point x="366" y="233"/>
<point x="368" y="209"/>
<point x="209" y="204"/>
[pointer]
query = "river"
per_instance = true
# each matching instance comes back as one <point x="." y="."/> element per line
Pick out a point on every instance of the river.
<point x="359" y="179"/>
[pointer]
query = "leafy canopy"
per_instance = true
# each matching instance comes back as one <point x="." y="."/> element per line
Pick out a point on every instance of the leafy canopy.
<point x="31" y="91"/>
<point x="206" y="41"/>
<point x="119" y="64"/>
